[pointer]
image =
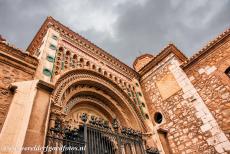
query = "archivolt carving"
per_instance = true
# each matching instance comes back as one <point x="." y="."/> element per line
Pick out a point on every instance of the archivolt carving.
<point x="90" y="99"/>
<point x="81" y="76"/>
<point x="121" y="110"/>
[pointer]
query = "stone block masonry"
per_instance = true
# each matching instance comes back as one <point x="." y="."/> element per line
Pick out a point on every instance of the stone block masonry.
<point x="209" y="124"/>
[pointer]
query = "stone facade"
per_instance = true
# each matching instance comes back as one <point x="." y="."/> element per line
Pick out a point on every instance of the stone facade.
<point x="193" y="97"/>
<point x="15" y="66"/>
<point x="180" y="105"/>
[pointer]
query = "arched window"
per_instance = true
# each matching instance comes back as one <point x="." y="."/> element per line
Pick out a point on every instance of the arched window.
<point x="74" y="60"/>
<point x="94" y="67"/>
<point x="143" y="104"/>
<point x="59" y="58"/>
<point x="67" y="59"/>
<point x="227" y="72"/>
<point x="75" y="57"/>
<point x="81" y="60"/>
<point x="87" y="63"/>
<point x="105" y="73"/>
<point x="99" y="70"/>
<point x="146" y="116"/>
<point x="67" y="53"/>
<point x="61" y="49"/>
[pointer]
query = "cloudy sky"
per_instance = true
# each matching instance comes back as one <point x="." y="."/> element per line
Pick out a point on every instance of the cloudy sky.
<point x="124" y="28"/>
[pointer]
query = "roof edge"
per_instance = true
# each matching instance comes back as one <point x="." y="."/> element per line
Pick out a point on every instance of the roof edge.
<point x="170" y="48"/>
<point x="206" y="49"/>
<point x="50" y="21"/>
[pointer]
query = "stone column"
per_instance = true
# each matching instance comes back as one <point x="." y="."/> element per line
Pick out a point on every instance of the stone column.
<point x="122" y="149"/>
<point x="39" y="118"/>
<point x="133" y="148"/>
<point x="14" y="129"/>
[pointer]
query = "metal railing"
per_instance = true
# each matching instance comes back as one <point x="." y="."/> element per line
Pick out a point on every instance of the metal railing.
<point x="94" y="137"/>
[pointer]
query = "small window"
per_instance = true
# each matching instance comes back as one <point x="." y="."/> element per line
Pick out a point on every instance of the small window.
<point x="47" y="72"/>
<point x="61" y="49"/>
<point x="146" y="116"/>
<point x="50" y="58"/>
<point x="143" y="104"/>
<point x="87" y="63"/>
<point x="227" y="72"/>
<point x="68" y="53"/>
<point x="137" y="84"/>
<point x="54" y="37"/>
<point x="105" y="73"/>
<point x="53" y="47"/>
<point x="158" y="117"/>
<point x="75" y="56"/>
<point x="139" y="93"/>
<point x="81" y="60"/>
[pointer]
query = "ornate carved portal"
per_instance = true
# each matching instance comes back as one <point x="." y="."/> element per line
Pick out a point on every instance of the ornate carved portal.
<point x="91" y="112"/>
<point x="94" y="136"/>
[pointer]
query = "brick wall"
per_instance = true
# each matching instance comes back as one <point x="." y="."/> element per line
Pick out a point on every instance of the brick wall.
<point x="8" y="75"/>
<point x="15" y="66"/>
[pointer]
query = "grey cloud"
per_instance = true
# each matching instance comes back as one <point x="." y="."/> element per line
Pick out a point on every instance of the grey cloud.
<point x="154" y="25"/>
<point x="136" y="27"/>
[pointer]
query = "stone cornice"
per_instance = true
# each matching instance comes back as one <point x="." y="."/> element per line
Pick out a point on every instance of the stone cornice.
<point x="16" y="58"/>
<point x="81" y="41"/>
<point x="207" y="49"/>
<point x="46" y="86"/>
<point x="171" y="48"/>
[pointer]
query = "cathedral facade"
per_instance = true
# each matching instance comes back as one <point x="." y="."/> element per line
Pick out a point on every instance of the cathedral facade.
<point x="65" y="91"/>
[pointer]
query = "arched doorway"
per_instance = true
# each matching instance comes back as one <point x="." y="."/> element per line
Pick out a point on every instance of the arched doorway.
<point x="91" y="110"/>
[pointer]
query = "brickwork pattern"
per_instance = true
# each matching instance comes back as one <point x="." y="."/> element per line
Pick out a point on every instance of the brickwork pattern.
<point x="8" y="75"/>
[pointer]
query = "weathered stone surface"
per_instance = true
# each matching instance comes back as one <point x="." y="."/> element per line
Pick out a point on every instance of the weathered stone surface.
<point x="200" y="109"/>
<point x="192" y="95"/>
